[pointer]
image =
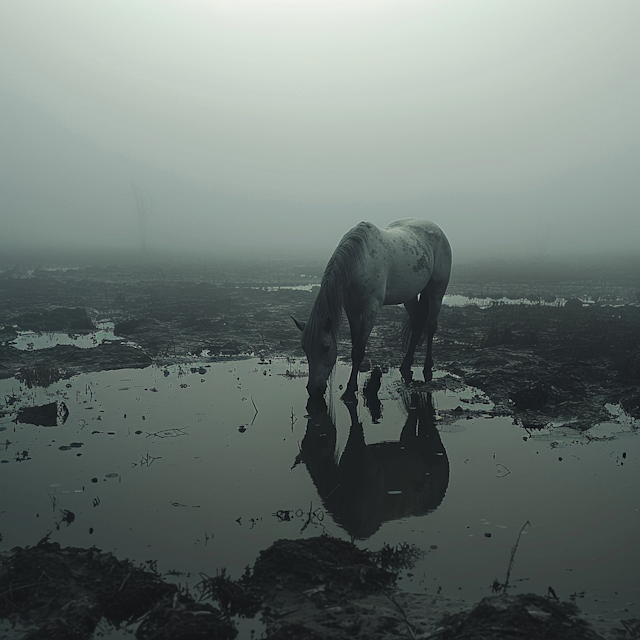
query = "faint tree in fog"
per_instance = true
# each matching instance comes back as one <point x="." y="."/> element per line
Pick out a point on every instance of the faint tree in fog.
<point x="538" y="241"/>
<point x="144" y="207"/>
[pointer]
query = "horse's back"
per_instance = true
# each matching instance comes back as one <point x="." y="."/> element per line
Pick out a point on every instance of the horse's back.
<point x="429" y="235"/>
<point x="418" y="252"/>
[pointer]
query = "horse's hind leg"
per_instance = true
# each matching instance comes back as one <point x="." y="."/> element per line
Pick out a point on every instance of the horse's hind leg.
<point x="418" y="310"/>
<point x="434" y="293"/>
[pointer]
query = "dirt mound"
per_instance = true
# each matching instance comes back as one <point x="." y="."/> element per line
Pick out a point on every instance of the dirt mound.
<point x="526" y="617"/>
<point x="57" y="593"/>
<point x="335" y="564"/>
<point x="328" y="589"/>
<point x="319" y="588"/>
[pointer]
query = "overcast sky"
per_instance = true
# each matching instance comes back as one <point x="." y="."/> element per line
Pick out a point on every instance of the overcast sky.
<point x="271" y="125"/>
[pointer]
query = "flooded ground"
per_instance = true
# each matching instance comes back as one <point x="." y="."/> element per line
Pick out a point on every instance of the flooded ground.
<point x="194" y="463"/>
<point x="194" y="466"/>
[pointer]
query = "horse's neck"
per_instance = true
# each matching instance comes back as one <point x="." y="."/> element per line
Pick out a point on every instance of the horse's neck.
<point x="333" y="291"/>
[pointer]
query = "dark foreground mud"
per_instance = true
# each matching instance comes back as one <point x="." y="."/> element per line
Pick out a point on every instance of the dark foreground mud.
<point x="317" y="588"/>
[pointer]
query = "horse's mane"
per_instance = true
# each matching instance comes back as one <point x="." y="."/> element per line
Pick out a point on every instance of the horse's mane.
<point x="336" y="278"/>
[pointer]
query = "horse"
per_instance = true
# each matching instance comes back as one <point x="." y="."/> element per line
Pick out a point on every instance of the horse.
<point x="408" y="262"/>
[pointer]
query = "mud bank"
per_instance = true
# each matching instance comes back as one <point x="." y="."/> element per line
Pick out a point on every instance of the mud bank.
<point x="319" y="588"/>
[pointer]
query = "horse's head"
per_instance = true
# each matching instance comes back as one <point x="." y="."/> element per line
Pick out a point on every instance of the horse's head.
<point x="320" y="345"/>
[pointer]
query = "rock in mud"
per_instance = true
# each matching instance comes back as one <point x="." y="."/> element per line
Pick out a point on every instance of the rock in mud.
<point x="44" y="415"/>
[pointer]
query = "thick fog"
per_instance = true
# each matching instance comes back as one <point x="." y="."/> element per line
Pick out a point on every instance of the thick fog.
<point x="274" y="126"/>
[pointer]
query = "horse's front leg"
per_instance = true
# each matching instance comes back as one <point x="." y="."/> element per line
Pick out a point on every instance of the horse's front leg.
<point x="361" y="325"/>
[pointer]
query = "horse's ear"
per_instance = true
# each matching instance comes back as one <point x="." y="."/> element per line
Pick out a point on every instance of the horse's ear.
<point x="327" y="325"/>
<point x="300" y="325"/>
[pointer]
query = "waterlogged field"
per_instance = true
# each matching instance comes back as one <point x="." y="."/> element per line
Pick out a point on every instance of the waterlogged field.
<point x="201" y="465"/>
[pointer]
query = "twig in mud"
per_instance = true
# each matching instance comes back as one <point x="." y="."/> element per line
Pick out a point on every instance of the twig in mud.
<point x="505" y="586"/>
<point x="403" y="614"/>
<point x="54" y="501"/>
<point x="314" y="516"/>
<point x="255" y="415"/>
<point x="125" y="579"/>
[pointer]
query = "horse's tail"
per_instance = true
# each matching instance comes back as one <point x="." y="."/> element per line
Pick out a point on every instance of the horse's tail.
<point x="407" y="330"/>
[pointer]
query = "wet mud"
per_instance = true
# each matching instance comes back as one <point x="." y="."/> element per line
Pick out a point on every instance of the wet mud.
<point x="543" y="362"/>
<point x="558" y="357"/>
<point x="320" y="588"/>
<point x="54" y="592"/>
<point x="539" y="361"/>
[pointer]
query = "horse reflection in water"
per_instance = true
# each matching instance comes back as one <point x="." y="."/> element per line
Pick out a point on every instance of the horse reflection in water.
<point x="369" y="484"/>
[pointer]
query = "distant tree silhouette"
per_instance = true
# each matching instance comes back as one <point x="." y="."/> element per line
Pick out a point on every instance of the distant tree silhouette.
<point x="144" y="207"/>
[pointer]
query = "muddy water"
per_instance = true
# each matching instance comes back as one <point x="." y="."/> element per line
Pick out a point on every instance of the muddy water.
<point x="34" y="340"/>
<point x="202" y="465"/>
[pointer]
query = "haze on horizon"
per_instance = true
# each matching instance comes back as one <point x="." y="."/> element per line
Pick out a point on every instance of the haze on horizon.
<point x="274" y="126"/>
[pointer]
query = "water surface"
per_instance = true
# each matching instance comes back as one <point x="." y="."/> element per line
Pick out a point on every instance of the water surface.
<point x="202" y="465"/>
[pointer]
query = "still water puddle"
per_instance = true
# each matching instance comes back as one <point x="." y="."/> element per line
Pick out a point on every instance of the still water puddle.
<point x="201" y="466"/>
<point x="35" y="340"/>
<point x="455" y="300"/>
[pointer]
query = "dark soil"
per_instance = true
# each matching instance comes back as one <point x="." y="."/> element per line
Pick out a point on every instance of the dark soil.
<point x="538" y="362"/>
<point x="526" y="617"/>
<point x="63" y="593"/>
<point x="67" y="590"/>
<point x="315" y="588"/>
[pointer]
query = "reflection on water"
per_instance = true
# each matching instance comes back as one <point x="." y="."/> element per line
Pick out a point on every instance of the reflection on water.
<point x="368" y="484"/>
<point x="191" y="466"/>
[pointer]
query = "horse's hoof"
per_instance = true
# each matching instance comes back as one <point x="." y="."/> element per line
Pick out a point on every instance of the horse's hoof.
<point x="407" y="376"/>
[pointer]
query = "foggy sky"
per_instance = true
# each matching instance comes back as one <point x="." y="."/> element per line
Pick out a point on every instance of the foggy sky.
<point x="276" y="125"/>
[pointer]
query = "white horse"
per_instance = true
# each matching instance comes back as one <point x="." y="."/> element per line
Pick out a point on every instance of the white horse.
<point x="408" y="262"/>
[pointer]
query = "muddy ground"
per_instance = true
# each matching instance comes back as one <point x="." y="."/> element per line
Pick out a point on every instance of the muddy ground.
<point x="556" y="359"/>
<point x="560" y="358"/>
<point x="312" y="589"/>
